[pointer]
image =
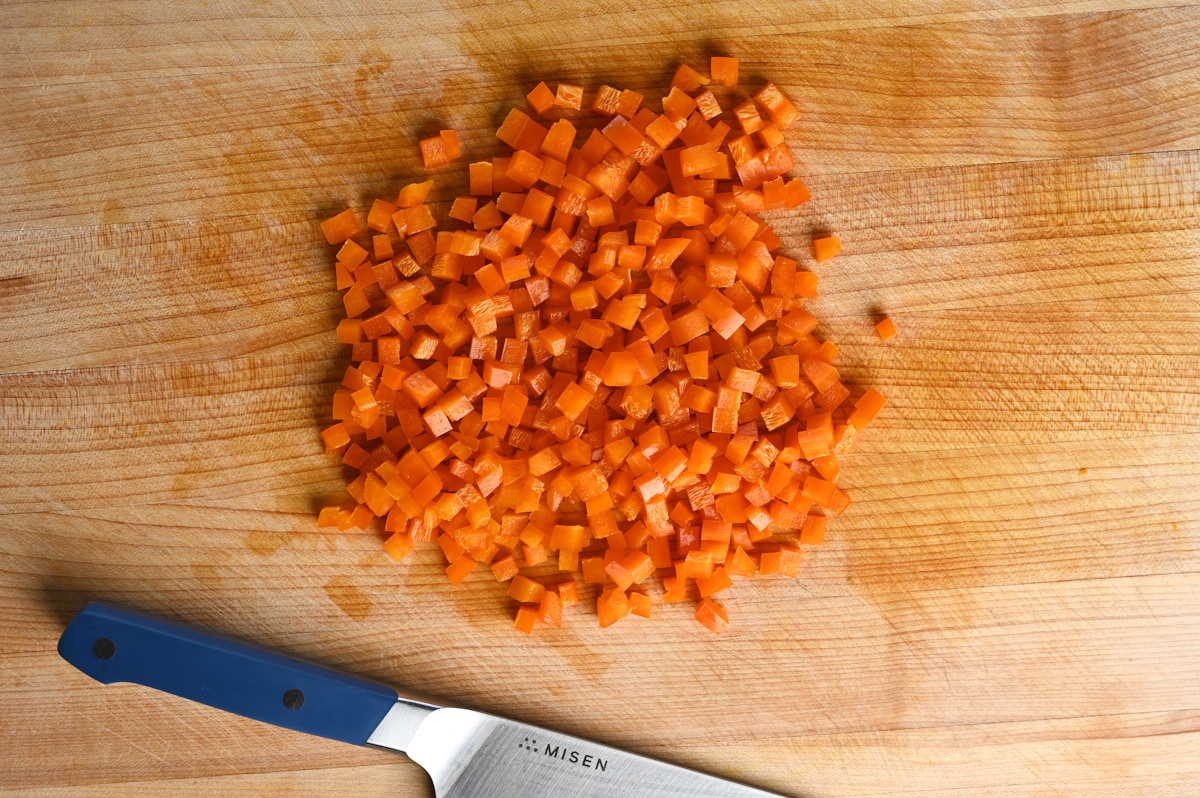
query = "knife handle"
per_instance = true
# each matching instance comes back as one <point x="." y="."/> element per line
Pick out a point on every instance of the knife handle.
<point x="112" y="643"/>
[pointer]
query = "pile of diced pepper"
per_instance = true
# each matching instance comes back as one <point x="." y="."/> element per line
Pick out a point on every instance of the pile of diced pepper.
<point x="603" y="367"/>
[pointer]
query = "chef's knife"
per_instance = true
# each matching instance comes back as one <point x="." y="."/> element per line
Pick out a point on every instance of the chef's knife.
<point x="467" y="754"/>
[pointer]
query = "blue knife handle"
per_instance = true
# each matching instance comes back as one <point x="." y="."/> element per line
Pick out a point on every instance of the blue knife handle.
<point x="111" y="643"/>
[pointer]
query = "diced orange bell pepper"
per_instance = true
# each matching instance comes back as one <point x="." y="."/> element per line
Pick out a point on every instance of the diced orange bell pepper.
<point x="712" y="616"/>
<point x="612" y="606"/>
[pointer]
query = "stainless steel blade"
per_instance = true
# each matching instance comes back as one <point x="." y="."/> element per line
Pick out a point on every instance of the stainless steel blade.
<point x="470" y="754"/>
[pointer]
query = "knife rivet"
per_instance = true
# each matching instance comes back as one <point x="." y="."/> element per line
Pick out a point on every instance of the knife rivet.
<point x="293" y="699"/>
<point x="104" y="648"/>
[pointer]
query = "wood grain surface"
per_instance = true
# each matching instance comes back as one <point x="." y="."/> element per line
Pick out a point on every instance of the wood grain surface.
<point x="1010" y="608"/>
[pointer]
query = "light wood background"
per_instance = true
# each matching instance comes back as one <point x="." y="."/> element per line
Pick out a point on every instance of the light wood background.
<point x="1010" y="608"/>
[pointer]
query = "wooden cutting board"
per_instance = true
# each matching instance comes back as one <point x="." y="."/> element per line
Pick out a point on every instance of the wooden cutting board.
<point x="1010" y="608"/>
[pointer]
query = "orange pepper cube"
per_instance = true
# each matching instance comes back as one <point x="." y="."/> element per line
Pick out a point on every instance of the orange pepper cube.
<point x="688" y="326"/>
<point x="414" y="194"/>
<point x="512" y="405"/>
<point x="433" y="152"/>
<point x="550" y="609"/>
<point x="777" y="412"/>
<point x="525" y="590"/>
<point x="712" y="616"/>
<point x="715" y="583"/>
<point x="340" y="228"/>
<point x="554" y="339"/>
<point x="593" y="570"/>
<point x="398" y="545"/>
<point x="674" y="590"/>
<point x="505" y="568"/>
<point x="568" y="591"/>
<point x="701" y="457"/>
<point x="524" y="168"/>
<point x="380" y="217"/>
<point x="825" y="248"/>
<point x="640" y="604"/>
<point x="624" y="311"/>
<point x="543" y="461"/>
<point x="785" y="562"/>
<point x="671" y="463"/>
<point x="639" y="565"/>
<point x="458" y="570"/>
<point x="480" y="178"/>
<point x="818" y="491"/>
<point x="741" y="564"/>
<point x="576" y="452"/>
<point x="812" y="530"/>
<point x="574" y="400"/>
<point x="612" y="606"/>
<point x="527" y="616"/>
<point x="589" y="482"/>
<point x="785" y="370"/>
<point x="572" y="537"/>
<point x="779" y="107"/>
<point x="697" y="364"/>
<point x="619" y="574"/>
<point x="568" y="96"/>
<point x="649" y="485"/>
<point x="698" y="564"/>
<point x="541" y="98"/>
<point x="724" y="71"/>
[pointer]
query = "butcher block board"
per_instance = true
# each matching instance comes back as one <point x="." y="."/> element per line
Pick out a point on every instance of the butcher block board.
<point x="1011" y="606"/>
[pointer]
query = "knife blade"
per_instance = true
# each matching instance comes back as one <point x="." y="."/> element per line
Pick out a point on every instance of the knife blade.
<point x="467" y="754"/>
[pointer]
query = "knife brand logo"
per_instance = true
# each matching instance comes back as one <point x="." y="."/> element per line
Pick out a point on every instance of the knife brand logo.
<point x="565" y="754"/>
